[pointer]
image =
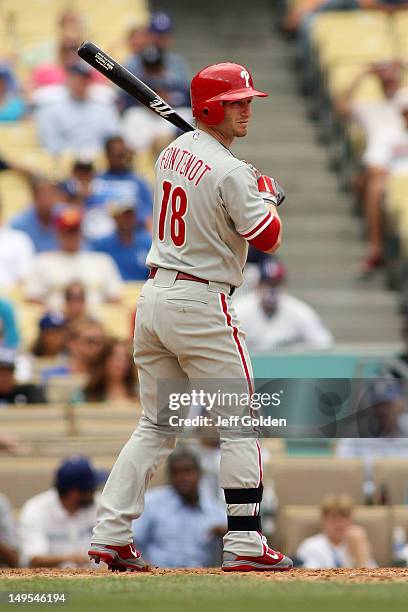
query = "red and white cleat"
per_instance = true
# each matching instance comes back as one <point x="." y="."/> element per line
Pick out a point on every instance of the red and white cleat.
<point x="271" y="560"/>
<point x="118" y="558"/>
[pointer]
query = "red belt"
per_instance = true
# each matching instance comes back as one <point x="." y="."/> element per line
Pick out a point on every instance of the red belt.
<point x="189" y="277"/>
<point x="181" y="276"/>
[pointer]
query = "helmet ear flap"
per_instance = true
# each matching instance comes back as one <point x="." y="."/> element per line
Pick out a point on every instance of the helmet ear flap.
<point x="212" y="113"/>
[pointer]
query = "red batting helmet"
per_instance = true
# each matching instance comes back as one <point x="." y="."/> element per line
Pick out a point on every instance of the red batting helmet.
<point x="217" y="84"/>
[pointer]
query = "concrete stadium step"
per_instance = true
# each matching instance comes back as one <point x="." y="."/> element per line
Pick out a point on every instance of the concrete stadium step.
<point x="293" y="250"/>
<point x="378" y="299"/>
<point x="296" y="204"/>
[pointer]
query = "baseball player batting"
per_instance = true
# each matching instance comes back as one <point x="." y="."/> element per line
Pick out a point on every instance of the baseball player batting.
<point x="208" y="206"/>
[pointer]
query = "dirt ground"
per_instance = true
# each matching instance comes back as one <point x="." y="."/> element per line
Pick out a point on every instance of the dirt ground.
<point x="385" y="574"/>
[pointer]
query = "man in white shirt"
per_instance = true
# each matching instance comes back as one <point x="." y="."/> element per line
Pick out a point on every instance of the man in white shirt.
<point x="54" y="270"/>
<point x="78" y="122"/>
<point x="16" y="256"/>
<point x="273" y="319"/>
<point x="55" y="525"/>
<point x="340" y="544"/>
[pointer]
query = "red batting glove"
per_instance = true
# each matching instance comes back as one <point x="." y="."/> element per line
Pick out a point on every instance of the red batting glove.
<point x="270" y="190"/>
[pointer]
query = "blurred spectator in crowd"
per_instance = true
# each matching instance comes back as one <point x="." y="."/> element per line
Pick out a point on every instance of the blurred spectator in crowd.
<point x="113" y="377"/>
<point x="383" y="124"/>
<point x="74" y="302"/>
<point x="161" y="33"/>
<point x="12" y="392"/>
<point x="9" y="333"/>
<point x="8" y="536"/>
<point x="173" y="66"/>
<point x="37" y="220"/>
<point x="274" y="319"/>
<point x="77" y="188"/>
<point x="181" y="523"/>
<point x="128" y="245"/>
<point x="12" y="105"/>
<point x="161" y="36"/>
<point x="70" y="22"/>
<point x="49" y="80"/>
<point x="78" y="123"/>
<point x="137" y="38"/>
<point x="16" y="256"/>
<point x="56" y="525"/>
<point x="119" y="181"/>
<point x="341" y="543"/>
<point x="143" y="129"/>
<point x="52" y="271"/>
<point x="85" y="342"/>
<point x="382" y="425"/>
<point x="51" y="339"/>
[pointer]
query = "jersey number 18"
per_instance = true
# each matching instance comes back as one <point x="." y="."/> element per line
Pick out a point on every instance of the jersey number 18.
<point x="178" y="198"/>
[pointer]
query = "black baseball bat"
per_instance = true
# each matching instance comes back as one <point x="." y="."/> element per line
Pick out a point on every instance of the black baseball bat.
<point x="127" y="81"/>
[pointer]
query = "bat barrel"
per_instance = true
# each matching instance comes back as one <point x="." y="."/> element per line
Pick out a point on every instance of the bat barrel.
<point x="120" y="76"/>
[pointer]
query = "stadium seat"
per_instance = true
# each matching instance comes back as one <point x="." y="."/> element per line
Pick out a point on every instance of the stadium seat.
<point x="116" y="319"/>
<point x="104" y="419"/>
<point x="130" y="293"/>
<point x="341" y="75"/>
<point x="359" y="29"/>
<point x="394" y="474"/>
<point x="306" y="480"/>
<point x="302" y="522"/>
<point x="15" y="194"/>
<point x="18" y="134"/>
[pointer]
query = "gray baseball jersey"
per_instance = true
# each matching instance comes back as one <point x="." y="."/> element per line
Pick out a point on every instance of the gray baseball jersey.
<point x="207" y="208"/>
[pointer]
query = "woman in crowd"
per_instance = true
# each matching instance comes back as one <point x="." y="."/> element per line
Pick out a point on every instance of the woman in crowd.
<point x="51" y="338"/>
<point x="114" y="376"/>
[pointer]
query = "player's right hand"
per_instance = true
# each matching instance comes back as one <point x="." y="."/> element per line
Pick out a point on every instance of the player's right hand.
<point x="270" y="190"/>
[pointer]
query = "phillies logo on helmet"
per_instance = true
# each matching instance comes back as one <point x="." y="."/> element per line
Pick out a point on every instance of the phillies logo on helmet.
<point x="245" y="76"/>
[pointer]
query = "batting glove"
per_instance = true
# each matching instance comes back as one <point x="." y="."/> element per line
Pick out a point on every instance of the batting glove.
<point x="270" y="190"/>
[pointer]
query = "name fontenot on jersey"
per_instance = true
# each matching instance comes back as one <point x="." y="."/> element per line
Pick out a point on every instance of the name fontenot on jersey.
<point x="185" y="163"/>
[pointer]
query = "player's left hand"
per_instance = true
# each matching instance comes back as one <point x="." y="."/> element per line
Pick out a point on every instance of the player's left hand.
<point x="270" y="190"/>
